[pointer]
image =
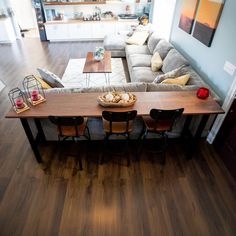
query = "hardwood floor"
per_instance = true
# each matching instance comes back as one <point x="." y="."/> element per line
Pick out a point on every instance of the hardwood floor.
<point x="195" y="197"/>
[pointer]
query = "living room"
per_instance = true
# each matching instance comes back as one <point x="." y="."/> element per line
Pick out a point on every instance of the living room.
<point x="186" y="195"/>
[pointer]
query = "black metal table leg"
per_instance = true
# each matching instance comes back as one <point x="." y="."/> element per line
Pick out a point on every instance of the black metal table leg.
<point x="187" y="123"/>
<point x="194" y="140"/>
<point x="40" y="135"/>
<point x="31" y="139"/>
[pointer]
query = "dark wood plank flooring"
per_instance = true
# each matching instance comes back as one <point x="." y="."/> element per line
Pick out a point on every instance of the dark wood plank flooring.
<point x="195" y="197"/>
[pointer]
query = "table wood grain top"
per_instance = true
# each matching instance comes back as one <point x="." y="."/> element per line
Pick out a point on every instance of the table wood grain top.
<point x="93" y="66"/>
<point x="85" y="104"/>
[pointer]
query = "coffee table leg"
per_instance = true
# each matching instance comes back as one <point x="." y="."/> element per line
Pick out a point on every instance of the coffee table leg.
<point x="87" y="79"/>
<point x="107" y="77"/>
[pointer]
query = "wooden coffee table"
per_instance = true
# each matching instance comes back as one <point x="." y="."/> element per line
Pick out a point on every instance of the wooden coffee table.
<point x="93" y="66"/>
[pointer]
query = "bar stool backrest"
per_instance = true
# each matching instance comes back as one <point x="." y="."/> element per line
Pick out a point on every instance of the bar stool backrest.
<point x="67" y="121"/>
<point x="126" y="117"/>
<point x="166" y="116"/>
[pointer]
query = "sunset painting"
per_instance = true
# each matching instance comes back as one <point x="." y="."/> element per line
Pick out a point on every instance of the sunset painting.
<point x="207" y="20"/>
<point x="188" y="13"/>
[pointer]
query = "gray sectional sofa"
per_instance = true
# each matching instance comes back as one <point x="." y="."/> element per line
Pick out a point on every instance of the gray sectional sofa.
<point x="139" y="62"/>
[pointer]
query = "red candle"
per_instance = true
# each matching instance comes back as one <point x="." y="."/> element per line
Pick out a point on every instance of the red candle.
<point x="35" y="95"/>
<point x="19" y="103"/>
<point x="203" y="93"/>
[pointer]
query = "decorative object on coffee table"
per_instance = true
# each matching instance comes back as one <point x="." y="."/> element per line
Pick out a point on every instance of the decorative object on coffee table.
<point x="18" y="100"/>
<point x="34" y="90"/>
<point x="117" y="99"/>
<point x="99" y="53"/>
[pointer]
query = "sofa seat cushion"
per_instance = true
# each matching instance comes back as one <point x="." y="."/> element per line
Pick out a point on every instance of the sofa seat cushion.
<point x="163" y="47"/>
<point x="140" y="60"/>
<point x="153" y="40"/>
<point x="173" y="60"/>
<point x="114" y="42"/>
<point x="135" y="49"/>
<point x="143" y="74"/>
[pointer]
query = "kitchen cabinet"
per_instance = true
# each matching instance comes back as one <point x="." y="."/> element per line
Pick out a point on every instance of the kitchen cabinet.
<point x="82" y="30"/>
<point x="48" y="3"/>
<point x="57" y="31"/>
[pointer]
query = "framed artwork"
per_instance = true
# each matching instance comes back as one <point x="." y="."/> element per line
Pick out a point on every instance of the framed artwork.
<point x="188" y="13"/>
<point x="207" y="20"/>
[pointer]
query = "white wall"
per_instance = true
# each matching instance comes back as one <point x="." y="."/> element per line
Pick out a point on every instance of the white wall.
<point x="24" y="13"/>
<point x="163" y="13"/>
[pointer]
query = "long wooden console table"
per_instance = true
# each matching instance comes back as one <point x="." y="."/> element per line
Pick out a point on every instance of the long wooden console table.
<point x="85" y="104"/>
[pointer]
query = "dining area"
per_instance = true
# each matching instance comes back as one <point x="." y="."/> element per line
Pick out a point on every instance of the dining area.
<point x="158" y="112"/>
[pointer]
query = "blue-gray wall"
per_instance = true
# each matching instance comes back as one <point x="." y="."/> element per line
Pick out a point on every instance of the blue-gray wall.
<point x="209" y="61"/>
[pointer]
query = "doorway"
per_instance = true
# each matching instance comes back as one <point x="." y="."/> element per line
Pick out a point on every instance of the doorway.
<point x="25" y="17"/>
<point x="225" y="142"/>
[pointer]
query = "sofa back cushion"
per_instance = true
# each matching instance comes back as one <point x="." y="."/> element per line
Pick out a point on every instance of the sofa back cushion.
<point x="151" y="87"/>
<point x="129" y="87"/>
<point x="163" y="47"/>
<point x="173" y="60"/>
<point x="153" y="40"/>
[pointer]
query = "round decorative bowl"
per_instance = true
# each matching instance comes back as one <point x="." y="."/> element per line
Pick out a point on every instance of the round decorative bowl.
<point x="117" y="99"/>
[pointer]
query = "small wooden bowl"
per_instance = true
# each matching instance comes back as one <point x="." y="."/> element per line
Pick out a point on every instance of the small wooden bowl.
<point x="117" y="101"/>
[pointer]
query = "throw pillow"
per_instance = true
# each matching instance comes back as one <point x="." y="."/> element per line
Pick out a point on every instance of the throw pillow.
<point x="138" y="38"/>
<point x="156" y="62"/>
<point x="43" y="83"/>
<point x="182" y="80"/>
<point x="53" y="80"/>
<point x="172" y="74"/>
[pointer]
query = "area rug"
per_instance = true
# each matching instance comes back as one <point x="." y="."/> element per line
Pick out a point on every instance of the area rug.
<point x="74" y="77"/>
<point x="2" y="86"/>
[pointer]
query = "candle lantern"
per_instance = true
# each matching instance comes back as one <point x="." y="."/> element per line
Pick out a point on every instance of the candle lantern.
<point x="18" y="100"/>
<point x="34" y="90"/>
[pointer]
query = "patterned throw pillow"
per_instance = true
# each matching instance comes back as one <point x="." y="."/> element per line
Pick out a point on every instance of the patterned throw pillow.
<point x="172" y="74"/>
<point x="53" y="80"/>
<point x="181" y="80"/>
